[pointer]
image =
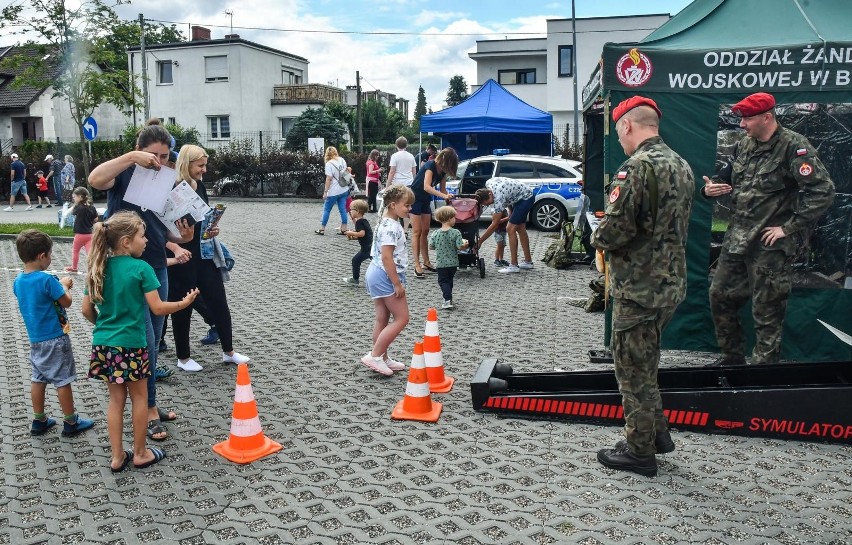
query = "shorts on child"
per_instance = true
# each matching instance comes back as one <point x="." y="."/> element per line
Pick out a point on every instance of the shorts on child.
<point x="19" y="186"/>
<point x="52" y="361"/>
<point x="500" y="238"/>
<point x="42" y="193"/>
<point x="378" y="283"/>
<point x="118" y="365"/>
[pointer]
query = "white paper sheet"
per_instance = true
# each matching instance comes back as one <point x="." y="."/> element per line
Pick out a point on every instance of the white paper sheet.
<point x="180" y="201"/>
<point x="149" y="188"/>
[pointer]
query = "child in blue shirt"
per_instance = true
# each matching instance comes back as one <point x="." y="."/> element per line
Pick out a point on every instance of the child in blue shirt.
<point x="42" y="299"/>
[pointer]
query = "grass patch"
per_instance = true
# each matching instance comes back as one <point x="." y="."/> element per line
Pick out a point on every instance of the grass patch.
<point x="51" y="229"/>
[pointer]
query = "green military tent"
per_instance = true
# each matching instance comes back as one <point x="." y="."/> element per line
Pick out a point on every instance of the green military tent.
<point x="706" y="58"/>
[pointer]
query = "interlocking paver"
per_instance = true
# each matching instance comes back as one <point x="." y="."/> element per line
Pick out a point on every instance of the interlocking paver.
<point x="350" y="475"/>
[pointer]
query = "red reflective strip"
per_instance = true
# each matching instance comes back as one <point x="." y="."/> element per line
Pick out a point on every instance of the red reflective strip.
<point x="547" y="405"/>
<point x="613" y="410"/>
<point x="673" y="417"/>
<point x="704" y="417"/>
<point x="526" y="404"/>
<point x="539" y="405"/>
<point x="598" y="409"/>
<point x="666" y="412"/>
<point x="620" y="413"/>
<point x="583" y="407"/>
<point x="490" y="402"/>
<point x="688" y="419"/>
<point x="569" y="407"/>
<point x="512" y="401"/>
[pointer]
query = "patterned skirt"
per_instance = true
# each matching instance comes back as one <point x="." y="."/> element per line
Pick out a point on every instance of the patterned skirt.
<point x="118" y="364"/>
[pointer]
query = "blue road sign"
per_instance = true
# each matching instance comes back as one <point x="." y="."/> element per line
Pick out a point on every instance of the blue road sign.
<point x="90" y="128"/>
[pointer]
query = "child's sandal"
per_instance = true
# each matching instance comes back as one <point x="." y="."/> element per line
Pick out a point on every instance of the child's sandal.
<point x="319" y="232"/>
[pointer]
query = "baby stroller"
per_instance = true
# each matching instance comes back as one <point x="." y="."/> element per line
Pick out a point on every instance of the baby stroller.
<point x="467" y="222"/>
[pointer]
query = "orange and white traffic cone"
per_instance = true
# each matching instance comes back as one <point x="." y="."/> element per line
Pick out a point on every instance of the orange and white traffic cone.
<point x="438" y="382"/>
<point x="417" y="403"/>
<point x="247" y="442"/>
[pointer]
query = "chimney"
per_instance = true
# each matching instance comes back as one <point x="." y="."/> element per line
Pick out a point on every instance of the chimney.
<point x="232" y="36"/>
<point x="200" y="33"/>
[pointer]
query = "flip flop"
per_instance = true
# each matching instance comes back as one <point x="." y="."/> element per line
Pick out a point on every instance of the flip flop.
<point x="158" y="453"/>
<point x="430" y="268"/>
<point x="166" y="416"/>
<point x="156" y="427"/>
<point x="128" y="457"/>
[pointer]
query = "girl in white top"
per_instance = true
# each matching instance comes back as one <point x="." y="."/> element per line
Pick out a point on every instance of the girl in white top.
<point x="385" y="280"/>
<point x="334" y="192"/>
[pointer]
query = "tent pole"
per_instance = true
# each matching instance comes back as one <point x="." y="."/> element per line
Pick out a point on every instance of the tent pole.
<point x="574" y="75"/>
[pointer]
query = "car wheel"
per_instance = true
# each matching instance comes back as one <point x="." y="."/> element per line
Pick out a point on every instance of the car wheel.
<point x="547" y="215"/>
<point x="307" y="190"/>
<point x="230" y="190"/>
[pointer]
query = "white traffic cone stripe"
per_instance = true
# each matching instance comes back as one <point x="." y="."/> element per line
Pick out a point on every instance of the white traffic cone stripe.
<point x="431" y="329"/>
<point x="417" y="390"/>
<point x="246" y="428"/>
<point x="433" y="359"/>
<point x="243" y="394"/>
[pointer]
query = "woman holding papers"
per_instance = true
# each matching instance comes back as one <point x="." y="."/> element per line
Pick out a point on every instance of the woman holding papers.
<point x="201" y="271"/>
<point x="115" y="176"/>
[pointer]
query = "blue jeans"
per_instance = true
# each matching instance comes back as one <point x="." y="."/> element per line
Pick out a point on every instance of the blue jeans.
<point x="155" y="324"/>
<point x="57" y="189"/>
<point x="340" y="200"/>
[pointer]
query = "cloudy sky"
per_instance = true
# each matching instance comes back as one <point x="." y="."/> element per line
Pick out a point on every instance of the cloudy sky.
<point x="396" y="45"/>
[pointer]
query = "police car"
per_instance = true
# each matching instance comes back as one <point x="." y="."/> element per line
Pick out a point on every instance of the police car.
<point x="556" y="184"/>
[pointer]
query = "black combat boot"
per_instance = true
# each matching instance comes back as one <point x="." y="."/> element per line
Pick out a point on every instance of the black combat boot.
<point x="663" y="443"/>
<point x="621" y="458"/>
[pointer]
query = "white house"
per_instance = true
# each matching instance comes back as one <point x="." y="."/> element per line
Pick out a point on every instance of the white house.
<point x="227" y="88"/>
<point x="28" y="113"/>
<point x="539" y="70"/>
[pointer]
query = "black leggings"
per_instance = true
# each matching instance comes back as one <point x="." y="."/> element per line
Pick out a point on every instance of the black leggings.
<point x="201" y="274"/>
<point x="359" y="258"/>
<point x="445" y="281"/>
<point x="372" y="193"/>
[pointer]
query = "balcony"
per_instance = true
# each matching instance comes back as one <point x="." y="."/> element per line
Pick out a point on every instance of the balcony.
<point x="308" y="93"/>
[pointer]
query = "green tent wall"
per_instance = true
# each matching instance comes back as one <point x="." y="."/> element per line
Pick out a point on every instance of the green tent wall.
<point x="714" y="53"/>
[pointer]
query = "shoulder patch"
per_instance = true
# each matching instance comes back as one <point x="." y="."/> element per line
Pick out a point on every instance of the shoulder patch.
<point x="622" y="175"/>
<point x="806" y="169"/>
<point x="616" y="191"/>
<point x="801" y="151"/>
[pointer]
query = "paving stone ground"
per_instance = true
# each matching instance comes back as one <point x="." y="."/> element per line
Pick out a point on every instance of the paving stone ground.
<point x="347" y="473"/>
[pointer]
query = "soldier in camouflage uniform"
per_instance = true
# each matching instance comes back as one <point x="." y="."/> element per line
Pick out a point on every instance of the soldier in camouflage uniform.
<point x="644" y="236"/>
<point x="779" y="189"/>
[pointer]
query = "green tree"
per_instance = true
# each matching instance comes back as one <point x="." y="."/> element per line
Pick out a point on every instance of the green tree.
<point x="127" y="34"/>
<point x="457" y="92"/>
<point x="343" y="113"/>
<point x="70" y="61"/>
<point x="315" y="123"/>
<point x="419" y="108"/>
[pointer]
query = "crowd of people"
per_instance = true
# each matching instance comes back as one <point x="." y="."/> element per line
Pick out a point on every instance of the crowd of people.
<point x="138" y="271"/>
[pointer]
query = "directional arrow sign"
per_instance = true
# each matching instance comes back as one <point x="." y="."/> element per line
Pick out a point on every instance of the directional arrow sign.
<point x="90" y="128"/>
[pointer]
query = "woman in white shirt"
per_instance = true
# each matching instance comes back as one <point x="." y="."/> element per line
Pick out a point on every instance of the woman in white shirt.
<point x="336" y="189"/>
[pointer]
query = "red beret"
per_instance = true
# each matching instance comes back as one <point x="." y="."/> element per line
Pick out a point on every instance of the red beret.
<point x="626" y="105"/>
<point x="757" y="103"/>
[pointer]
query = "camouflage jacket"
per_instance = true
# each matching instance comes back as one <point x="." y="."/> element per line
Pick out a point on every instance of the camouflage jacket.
<point x="767" y="178"/>
<point x="647" y="255"/>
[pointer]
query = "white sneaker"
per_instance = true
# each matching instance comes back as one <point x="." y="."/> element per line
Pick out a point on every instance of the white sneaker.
<point x="190" y="365"/>
<point x="350" y="280"/>
<point x="447" y="305"/>
<point x="376" y="364"/>
<point x="8" y="209"/>
<point x="394" y="365"/>
<point x="526" y="265"/>
<point x="235" y="358"/>
<point x="510" y="269"/>
<point x="30" y="207"/>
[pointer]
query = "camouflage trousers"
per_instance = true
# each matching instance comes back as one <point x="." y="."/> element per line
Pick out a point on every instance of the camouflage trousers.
<point x="636" y="333"/>
<point x="766" y="277"/>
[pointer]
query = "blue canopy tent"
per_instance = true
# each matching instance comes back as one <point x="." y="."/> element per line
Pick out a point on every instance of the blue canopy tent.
<point x="491" y="118"/>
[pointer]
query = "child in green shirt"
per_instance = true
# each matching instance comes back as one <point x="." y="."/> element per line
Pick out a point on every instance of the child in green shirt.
<point x="446" y="242"/>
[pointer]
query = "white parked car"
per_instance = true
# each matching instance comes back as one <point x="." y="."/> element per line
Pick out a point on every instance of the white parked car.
<point x="556" y="184"/>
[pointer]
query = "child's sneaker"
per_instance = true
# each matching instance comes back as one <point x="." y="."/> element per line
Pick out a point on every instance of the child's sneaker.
<point x="394" y="365"/>
<point x="212" y="336"/>
<point x="40" y="427"/>
<point x="376" y="364"/>
<point x="350" y="280"/>
<point x="39" y="206"/>
<point x="447" y="305"/>
<point x="501" y="263"/>
<point x="526" y="265"/>
<point x="79" y="426"/>
<point x="510" y="269"/>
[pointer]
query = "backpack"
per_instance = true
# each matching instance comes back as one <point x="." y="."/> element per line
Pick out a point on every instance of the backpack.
<point x="558" y="254"/>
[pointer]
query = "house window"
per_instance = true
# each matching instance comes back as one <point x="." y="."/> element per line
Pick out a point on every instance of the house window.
<point x="511" y="77"/>
<point x="290" y="78"/>
<point x="220" y="126"/>
<point x="164" y="72"/>
<point x="172" y="121"/>
<point x="286" y="125"/>
<point x="566" y="61"/>
<point x="216" y="68"/>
